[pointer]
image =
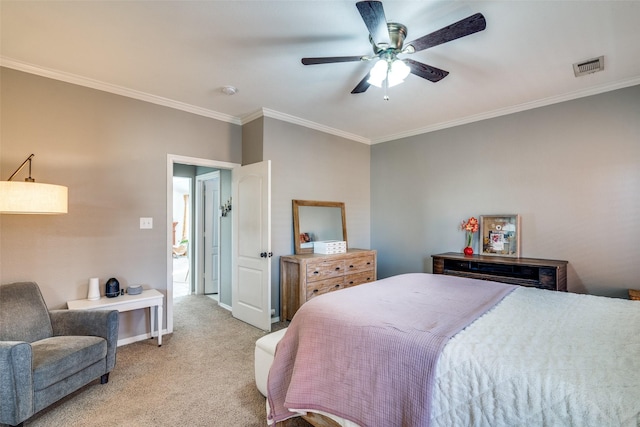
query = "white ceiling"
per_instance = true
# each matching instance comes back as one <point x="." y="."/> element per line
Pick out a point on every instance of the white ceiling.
<point x="180" y="53"/>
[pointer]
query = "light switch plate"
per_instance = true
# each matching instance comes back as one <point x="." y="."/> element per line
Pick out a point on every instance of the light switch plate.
<point x="146" y="223"/>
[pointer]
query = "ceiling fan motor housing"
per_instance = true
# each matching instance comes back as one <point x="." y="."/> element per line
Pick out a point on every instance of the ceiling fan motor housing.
<point x="397" y="34"/>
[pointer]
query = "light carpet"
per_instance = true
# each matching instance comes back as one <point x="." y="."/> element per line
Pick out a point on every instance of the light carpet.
<point x="202" y="375"/>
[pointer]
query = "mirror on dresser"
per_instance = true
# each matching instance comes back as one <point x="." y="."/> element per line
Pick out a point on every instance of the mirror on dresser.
<point x="314" y="221"/>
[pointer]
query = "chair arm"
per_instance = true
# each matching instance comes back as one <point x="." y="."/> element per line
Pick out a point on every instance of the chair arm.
<point x="99" y="323"/>
<point x="16" y="382"/>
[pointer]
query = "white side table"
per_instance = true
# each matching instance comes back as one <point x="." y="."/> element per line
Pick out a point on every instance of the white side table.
<point x="149" y="298"/>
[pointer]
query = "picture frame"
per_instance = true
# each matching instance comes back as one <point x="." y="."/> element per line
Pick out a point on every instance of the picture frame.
<point x="500" y="235"/>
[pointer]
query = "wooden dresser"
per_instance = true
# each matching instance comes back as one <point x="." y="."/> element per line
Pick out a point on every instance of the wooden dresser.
<point x="306" y="275"/>
<point x="540" y="273"/>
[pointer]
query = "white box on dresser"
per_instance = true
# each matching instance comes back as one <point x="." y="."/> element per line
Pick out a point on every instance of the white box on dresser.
<point x="304" y="276"/>
<point x="330" y="247"/>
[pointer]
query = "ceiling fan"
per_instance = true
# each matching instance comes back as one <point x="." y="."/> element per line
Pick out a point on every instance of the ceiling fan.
<point x="387" y="39"/>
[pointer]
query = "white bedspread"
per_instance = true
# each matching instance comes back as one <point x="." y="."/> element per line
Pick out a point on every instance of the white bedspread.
<point x="559" y="359"/>
<point x="542" y="358"/>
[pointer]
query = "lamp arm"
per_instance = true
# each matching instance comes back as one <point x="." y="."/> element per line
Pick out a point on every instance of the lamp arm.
<point x="20" y="168"/>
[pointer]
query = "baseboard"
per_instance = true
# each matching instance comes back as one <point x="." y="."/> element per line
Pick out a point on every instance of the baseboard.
<point x="228" y="308"/>
<point x="141" y="337"/>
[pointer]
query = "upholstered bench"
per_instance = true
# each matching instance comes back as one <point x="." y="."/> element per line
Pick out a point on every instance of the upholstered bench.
<point x="264" y="352"/>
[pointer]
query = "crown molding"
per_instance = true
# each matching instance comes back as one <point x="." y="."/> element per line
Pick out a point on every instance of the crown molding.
<point x="158" y="100"/>
<point x="115" y="89"/>
<point x="266" y="112"/>
<point x="514" y="109"/>
<point x="313" y="125"/>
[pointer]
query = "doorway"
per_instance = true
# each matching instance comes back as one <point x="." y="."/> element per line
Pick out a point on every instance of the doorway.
<point x="250" y="239"/>
<point x="198" y="166"/>
<point x="181" y="251"/>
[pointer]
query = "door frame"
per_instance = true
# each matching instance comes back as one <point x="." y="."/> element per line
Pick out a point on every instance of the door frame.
<point x="185" y="160"/>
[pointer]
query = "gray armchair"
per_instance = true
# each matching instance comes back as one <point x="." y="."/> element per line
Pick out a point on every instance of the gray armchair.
<point x="45" y="355"/>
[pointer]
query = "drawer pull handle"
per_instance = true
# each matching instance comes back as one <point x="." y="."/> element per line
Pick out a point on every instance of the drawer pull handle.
<point x="315" y="291"/>
<point x="351" y="282"/>
<point x="337" y="286"/>
<point x="351" y="266"/>
<point x="368" y="263"/>
<point x="337" y="268"/>
<point x="316" y="272"/>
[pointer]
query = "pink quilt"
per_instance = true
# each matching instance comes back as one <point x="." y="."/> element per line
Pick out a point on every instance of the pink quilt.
<point x="368" y="353"/>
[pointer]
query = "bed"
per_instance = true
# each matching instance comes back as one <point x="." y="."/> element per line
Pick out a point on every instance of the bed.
<point x="436" y="350"/>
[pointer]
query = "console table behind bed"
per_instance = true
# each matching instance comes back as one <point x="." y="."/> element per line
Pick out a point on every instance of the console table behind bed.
<point x="540" y="273"/>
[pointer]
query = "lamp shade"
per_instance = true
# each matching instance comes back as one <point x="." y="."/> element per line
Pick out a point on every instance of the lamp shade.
<point x="393" y="71"/>
<point x="32" y="198"/>
<point x="398" y="72"/>
<point x="378" y="73"/>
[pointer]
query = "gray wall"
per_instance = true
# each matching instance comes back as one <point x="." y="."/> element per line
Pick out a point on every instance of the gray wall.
<point x="252" y="138"/>
<point x="571" y="170"/>
<point x="111" y="151"/>
<point x="312" y="165"/>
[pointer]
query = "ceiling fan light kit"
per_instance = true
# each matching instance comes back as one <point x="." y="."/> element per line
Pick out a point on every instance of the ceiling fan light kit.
<point x="387" y="39"/>
<point x="393" y="71"/>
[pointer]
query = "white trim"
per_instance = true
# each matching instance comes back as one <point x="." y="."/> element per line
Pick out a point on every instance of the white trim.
<point x="251" y="117"/>
<point x="230" y="309"/>
<point x="118" y="90"/>
<point x="510" y="110"/>
<point x="194" y="161"/>
<point x="141" y="337"/>
<point x="265" y="112"/>
<point x="197" y="161"/>
<point x="158" y="100"/>
<point x="225" y="306"/>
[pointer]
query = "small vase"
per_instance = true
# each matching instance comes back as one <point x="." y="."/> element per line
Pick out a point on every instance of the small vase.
<point x="468" y="250"/>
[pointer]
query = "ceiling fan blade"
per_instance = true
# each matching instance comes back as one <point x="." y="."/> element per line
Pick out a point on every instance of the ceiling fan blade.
<point x="331" y="59"/>
<point x="464" y="27"/>
<point x="362" y="86"/>
<point x="372" y="14"/>
<point x="426" y="71"/>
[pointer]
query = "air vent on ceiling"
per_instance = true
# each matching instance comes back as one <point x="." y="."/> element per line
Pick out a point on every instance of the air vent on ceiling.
<point x="589" y="66"/>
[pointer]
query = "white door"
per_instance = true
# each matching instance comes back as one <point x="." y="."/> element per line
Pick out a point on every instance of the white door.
<point x="251" y="244"/>
<point x="211" y="234"/>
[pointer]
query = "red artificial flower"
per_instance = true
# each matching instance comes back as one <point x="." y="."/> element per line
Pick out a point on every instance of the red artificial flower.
<point x="471" y="225"/>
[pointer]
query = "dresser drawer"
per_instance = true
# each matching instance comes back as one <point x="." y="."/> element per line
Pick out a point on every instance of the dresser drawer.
<point x="359" y="278"/>
<point x="324" y="286"/>
<point x="303" y="276"/>
<point x="324" y="270"/>
<point x="357" y="264"/>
